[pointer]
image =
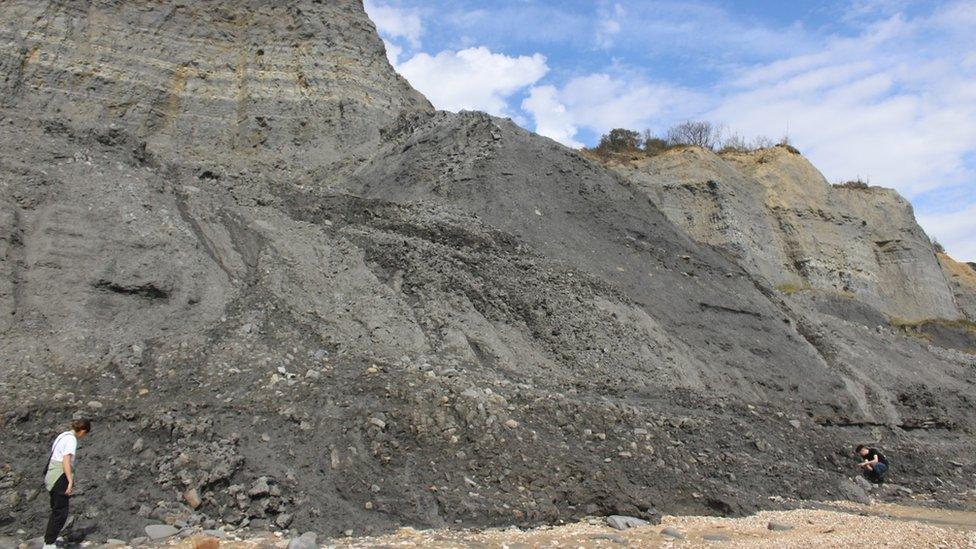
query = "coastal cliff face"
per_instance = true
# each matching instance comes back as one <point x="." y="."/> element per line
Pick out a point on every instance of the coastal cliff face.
<point x="283" y="84"/>
<point x="962" y="280"/>
<point x="294" y="296"/>
<point x="774" y="212"/>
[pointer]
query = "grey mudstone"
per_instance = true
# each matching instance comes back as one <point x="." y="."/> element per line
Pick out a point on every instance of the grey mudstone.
<point x="161" y="531"/>
<point x="171" y="172"/>
<point x="854" y="491"/>
<point x="259" y="488"/>
<point x="283" y="520"/>
<point x="863" y="483"/>
<point x="779" y="526"/>
<point x="304" y="541"/>
<point x="622" y="522"/>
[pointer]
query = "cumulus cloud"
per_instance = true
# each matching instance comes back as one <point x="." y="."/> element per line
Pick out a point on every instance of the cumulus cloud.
<point x="551" y="117"/>
<point x="877" y="105"/>
<point x="473" y="78"/>
<point x="895" y="105"/>
<point x="600" y="102"/>
<point x="395" y="23"/>
<point x="955" y="230"/>
<point x="894" y="102"/>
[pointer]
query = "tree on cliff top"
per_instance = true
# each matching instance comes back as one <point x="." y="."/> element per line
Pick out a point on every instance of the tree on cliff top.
<point x="700" y="133"/>
<point x="619" y="140"/>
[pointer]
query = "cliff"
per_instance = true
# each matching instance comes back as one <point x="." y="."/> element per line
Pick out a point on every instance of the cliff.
<point x="774" y="212"/>
<point x="292" y="296"/>
<point x="287" y="84"/>
<point x="962" y="280"/>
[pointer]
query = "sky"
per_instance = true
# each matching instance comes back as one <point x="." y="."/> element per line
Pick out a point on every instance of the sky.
<point x="880" y="90"/>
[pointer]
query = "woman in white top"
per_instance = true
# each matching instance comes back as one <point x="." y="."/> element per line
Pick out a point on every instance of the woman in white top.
<point x="59" y="477"/>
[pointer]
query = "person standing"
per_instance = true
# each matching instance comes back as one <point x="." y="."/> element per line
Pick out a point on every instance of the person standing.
<point x="59" y="477"/>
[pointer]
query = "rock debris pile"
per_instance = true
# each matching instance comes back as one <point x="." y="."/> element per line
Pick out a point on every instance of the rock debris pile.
<point x="293" y="296"/>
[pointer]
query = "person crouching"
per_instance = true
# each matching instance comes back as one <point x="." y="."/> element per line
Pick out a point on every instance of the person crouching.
<point x="873" y="463"/>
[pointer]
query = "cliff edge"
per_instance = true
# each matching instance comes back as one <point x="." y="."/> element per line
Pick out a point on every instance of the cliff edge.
<point x="774" y="212"/>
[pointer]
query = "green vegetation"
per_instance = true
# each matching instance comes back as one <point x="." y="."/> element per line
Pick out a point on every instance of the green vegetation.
<point x="791" y="288"/>
<point x="935" y="330"/>
<point x="853" y="184"/>
<point x="620" y="140"/>
<point x="696" y="133"/>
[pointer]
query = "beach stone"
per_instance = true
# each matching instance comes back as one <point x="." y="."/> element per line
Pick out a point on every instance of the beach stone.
<point x="304" y="541"/>
<point x="204" y="542"/>
<point x="622" y="522"/>
<point x="161" y="531"/>
<point x="672" y="533"/>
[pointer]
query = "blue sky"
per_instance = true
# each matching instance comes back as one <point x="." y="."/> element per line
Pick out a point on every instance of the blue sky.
<point x="881" y="90"/>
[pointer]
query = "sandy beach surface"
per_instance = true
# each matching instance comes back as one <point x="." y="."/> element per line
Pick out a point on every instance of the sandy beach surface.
<point x="827" y="525"/>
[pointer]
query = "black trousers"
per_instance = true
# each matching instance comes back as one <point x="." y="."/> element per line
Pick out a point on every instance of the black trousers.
<point x="59" y="510"/>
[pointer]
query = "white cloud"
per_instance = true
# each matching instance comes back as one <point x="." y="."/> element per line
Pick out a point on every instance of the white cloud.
<point x="551" y="117"/>
<point x="473" y="78"/>
<point x="609" y="25"/>
<point x="895" y="103"/>
<point x="393" y="52"/>
<point x="395" y="23"/>
<point x="600" y="102"/>
<point x="955" y="230"/>
<point x="881" y="105"/>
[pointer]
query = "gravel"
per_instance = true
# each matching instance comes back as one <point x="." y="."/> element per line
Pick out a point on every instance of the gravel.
<point x="811" y="528"/>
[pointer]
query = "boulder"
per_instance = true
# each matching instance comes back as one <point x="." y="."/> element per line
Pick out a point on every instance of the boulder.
<point x="161" y="531"/>
<point x="621" y="522"/>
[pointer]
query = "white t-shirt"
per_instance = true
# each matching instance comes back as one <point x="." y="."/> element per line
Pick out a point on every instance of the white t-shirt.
<point x="65" y="444"/>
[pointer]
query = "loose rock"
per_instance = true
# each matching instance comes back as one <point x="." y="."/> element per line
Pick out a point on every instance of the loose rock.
<point x="621" y="522"/>
<point x="672" y="533"/>
<point x="161" y="531"/>
<point x="305" y="541"/>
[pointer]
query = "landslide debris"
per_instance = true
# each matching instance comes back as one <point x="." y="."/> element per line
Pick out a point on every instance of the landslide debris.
<point x="294" y="297"/>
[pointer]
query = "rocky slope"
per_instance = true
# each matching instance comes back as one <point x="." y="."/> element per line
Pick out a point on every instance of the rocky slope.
<point x="778" y="215"/>
<point x="292" y="295"/>
<point x="962" y="280"/>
